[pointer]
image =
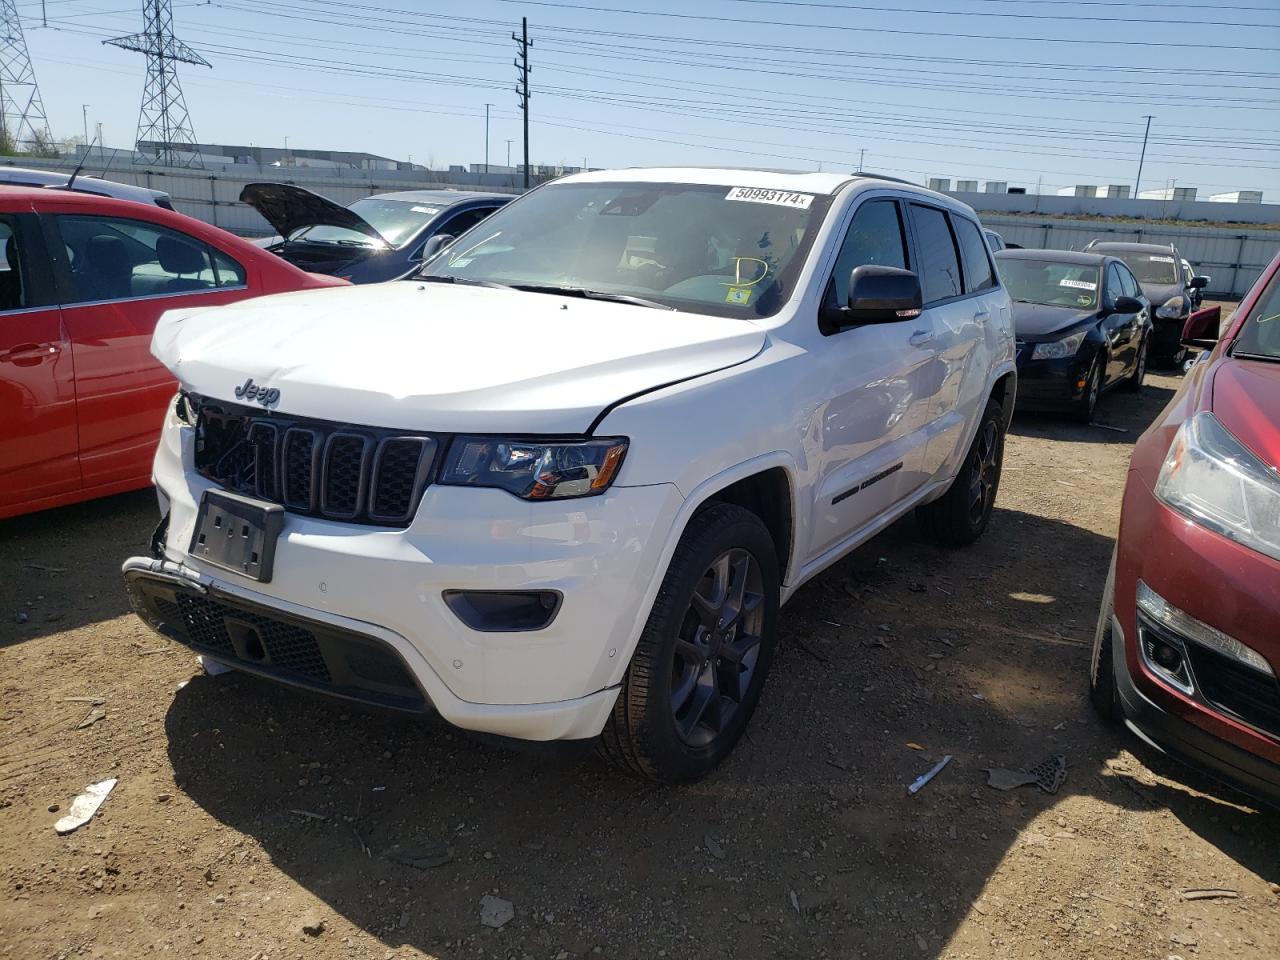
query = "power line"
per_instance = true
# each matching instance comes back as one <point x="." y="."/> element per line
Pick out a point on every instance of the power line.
<point x="1016" y="16"/>
<point x="888" y="30"/>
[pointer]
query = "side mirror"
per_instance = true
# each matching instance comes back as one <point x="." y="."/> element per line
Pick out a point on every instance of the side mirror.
<point x="1201" y="328"/>
<point x="1127" y="305"/>
<point x="434" y="245"/>
<point x="878" y="295"/>
<point x="1199" y="283"/>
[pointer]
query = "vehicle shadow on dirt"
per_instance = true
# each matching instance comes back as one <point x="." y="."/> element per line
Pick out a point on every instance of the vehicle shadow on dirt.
<point x="60" y="569"/>
<point x="805" y="841"/>
<point x="1119" y="419"/>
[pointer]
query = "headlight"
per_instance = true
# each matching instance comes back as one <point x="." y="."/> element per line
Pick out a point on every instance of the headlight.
<point x="1209" y="476"/>
<point x="534" y="470"/>
<point x="1059" y="349"/>
<point x="1172" y="308"/>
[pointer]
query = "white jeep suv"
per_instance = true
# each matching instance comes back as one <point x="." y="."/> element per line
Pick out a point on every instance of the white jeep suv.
<point x="556" y="486"/>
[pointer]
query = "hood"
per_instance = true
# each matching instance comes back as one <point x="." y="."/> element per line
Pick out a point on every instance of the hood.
<point x="415" y="356"/>
<point x="1158" y="293"/>
<point x="288" y="208"/>
<point x="1246" y="398"/>
<point x="1040" y="321"/>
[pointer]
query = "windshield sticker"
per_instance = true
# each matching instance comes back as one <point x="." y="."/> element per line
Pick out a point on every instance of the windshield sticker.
<point x="1078" y="284"/>
<point x="782" y="198"/>
<point x="1158" y="259"/>
<point x="740" y="296"/>
<point x="430" y="211"/>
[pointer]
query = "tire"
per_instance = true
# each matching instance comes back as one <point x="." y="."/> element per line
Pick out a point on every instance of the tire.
<point x="699" y="667"/>
<point x="960" y="515"/>
<point x="1087" y="405"/>
<point x="1102" y="674"/>
<point x="1134" y="382"/>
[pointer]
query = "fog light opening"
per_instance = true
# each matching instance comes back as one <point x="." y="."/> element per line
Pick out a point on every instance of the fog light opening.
<point x="1166" y="657"/>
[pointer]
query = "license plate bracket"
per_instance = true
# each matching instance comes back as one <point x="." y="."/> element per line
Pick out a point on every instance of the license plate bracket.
<point x="237" y="533"/>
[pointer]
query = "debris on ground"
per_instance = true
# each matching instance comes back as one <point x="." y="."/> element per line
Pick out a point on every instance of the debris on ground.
<point x="1211" y="893"/>
<point x="496" y="912"/>
<point x="925" y="778"/>
<point x="96" y="712"/>
<point x="1048" y="775"/>
<point x="713" y="848"/>
<point x="85" y="806"/>
<point x="1107" y="426"/>
<point x="434" y="856"/>
<point x="309" y="815"/>
<point x="312" y="925"/>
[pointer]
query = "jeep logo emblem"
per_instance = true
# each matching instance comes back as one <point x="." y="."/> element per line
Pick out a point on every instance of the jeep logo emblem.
<point x="263" y="395"/>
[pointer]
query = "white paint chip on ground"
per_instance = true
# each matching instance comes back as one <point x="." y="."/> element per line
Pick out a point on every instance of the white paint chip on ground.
<point x="85" y="806"/>
<point x="496" y="912"/>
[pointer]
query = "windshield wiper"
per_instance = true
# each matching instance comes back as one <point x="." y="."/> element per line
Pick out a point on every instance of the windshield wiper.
<point x="590" y="295"/>
<point x="466" y="281"/>
<point x="1265" y="357"/>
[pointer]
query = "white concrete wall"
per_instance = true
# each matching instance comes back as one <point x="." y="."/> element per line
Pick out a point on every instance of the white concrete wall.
<point x="1233" y="257"/>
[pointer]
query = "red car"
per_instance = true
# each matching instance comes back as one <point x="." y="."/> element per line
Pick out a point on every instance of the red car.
<point x="83" y="280"/>
<point x="1187" y="647"/>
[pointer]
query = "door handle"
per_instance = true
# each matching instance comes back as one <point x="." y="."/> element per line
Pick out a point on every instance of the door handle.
<point x="982" y="316"/>
<point x="920" y="338"/>
<point x="29" y="354"/>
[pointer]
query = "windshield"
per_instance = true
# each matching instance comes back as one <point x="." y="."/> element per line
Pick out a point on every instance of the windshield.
<point x="1150" y="267"/>
<point x="398" y="221"/>
<point x="729" y="251"/>
<point x="1054" y="284"/>
<point x="1260" y="334"/>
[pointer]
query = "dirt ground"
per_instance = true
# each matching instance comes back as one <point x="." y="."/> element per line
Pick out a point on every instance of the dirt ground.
<point x="245" y="812"/>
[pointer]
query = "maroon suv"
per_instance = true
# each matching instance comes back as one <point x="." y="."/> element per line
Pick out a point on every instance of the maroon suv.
<point x="1187" y="647"/>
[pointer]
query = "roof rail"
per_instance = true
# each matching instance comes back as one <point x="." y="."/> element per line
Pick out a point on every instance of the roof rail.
<point x="884" y="176"/>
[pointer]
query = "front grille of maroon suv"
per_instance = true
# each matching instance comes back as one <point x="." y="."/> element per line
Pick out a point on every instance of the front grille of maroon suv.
<point x="1236" y="689"/>
<point x="317" y="468"/>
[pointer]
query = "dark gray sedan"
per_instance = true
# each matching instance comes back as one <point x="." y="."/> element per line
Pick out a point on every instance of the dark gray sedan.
<point x="376" y="238"/>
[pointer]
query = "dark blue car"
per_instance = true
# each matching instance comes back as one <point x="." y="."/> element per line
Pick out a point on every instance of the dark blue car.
<point x="376" y="238"/>
<point x="1082" y="326"/>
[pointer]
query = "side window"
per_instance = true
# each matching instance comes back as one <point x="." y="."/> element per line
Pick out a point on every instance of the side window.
<point x="875" y="236"/>
<point x="227" y="272"/>
<point x="13" y="292"/>
<point x="460" y="223"/>
<point x="939" y="266"/>
<point x="978" y="274"/>
<point x="1128" y="282"/>
<point x="1114" y="287"/>
<point x="113" y="258"/>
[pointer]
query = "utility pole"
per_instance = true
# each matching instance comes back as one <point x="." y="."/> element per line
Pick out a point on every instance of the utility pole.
<point x="84" y="115"/>
<point x="861" y="153"/>
<point x="1137" y="183"/>
<point x="486" y="136"/>
<point x="522" y="86"/>
<point x="508" y="153"/>
<point x="22" y="115"/>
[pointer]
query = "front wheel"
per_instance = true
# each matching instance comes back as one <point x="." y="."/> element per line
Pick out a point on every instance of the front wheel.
<point x="1088" y="402"/>
<point x="960" y="515"/>
<point x="1134" y="383"/>
<point x="702" y="659"/>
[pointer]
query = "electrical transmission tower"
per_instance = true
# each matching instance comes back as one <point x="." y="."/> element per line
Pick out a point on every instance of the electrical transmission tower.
<point x="163" y="124"/>
<point x="22" y="119"/>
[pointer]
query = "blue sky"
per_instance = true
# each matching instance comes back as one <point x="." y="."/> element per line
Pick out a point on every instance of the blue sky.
<point x="1025" y="91"/>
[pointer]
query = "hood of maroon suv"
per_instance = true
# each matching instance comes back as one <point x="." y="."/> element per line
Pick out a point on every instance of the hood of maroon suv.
<point x="1246" y="399"/>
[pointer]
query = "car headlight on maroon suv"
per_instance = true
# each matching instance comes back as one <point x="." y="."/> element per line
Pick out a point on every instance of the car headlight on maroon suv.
<point x="532" y="469"/>
<point x="1211" y="477"/>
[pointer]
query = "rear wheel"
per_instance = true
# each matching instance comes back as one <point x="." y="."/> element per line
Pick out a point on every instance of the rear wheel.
<point x="1088" y="402"/>
<point x="702" y="659"/>
<point x="960" y="515"/>
<point x="1102" y="673"/>
<point x="1134" y="383"/>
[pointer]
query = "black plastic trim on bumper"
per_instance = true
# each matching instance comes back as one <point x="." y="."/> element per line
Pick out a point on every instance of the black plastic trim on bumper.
<point x="339" y="655"/>
<point x="1245" y="771"/>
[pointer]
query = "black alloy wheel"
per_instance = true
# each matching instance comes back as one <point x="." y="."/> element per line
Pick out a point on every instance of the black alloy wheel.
<point x="716" y="650"/>
<point x="1088" y="401"/>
